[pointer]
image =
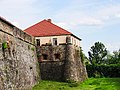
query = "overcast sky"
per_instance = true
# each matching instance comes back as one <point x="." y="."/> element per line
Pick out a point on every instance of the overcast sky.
<point x="90" y="20"/>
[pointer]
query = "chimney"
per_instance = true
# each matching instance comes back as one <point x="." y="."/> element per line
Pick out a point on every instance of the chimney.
<point x="49" y="20"/>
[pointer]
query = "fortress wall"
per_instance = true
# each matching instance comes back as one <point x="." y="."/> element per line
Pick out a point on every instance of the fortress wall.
<point x="74" y="69"/>
<point x="67" y="68"/>
<point x="19" y="68"/>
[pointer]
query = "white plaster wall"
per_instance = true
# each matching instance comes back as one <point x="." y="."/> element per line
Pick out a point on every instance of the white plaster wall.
<point x="49" y="39"/>
<point x="75" y="41"/>
<point x="60" y="39"/>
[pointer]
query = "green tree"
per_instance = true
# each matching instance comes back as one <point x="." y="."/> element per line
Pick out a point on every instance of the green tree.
<point x="114" y="58"/>
<point x="84" y="59"/>
<point x="97" y="53"/>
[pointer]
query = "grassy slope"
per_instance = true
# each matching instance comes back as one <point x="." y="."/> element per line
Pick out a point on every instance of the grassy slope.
<point x="90" y="84"/>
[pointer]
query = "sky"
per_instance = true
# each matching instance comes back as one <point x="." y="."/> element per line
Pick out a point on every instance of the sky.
<point x="90" y="20"/>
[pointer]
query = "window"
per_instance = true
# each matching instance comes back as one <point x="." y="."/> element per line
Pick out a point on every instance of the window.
<point x="57" y="56"/>
<point x="38" y="42"/>
<point x="54" y="41"/>
<point x="45" y="56"/>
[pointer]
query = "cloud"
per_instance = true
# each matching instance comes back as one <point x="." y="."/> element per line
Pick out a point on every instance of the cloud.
<point x="113" y="46"/>
<point x="118" y="15"/>
<point x="62" y="24"/>
<point x="109" y="11"/>
<point x="86" y="21"/>
<point x="98" y="14"/>
<point x="76" y="13"/>
<point x="90" y="21"/>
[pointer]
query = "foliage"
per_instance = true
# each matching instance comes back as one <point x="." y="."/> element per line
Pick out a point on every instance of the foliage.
<point x="112" y="70"/>
<point x="29" y="47"/>
<point x="97" y="53"/>
<point x="113" y="58"/>
<point x="4" y="45"/>
<point x="90" y="84"/>
<point x="81" y="55"/>
<point x="32" y="48"/>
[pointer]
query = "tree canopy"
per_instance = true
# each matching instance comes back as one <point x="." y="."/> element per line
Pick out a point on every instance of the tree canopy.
<point x="97" y="53"/>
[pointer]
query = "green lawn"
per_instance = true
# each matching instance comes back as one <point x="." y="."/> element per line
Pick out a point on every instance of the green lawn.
<point x="90" y="84"/>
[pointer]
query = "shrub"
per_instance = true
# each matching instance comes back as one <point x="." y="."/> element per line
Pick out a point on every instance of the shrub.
<point x="33" y="49"/>
<point x="4" y="45"/>
<point x="112" y="70"/>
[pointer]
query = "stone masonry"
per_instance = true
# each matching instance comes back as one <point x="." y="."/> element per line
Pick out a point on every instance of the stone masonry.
<point x="19" y="67"/>
<point x="68" y="67"/>
<point x="18" y="61"/>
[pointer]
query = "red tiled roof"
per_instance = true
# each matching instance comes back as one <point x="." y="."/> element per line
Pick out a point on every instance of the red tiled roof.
<point x="46" y="28"/>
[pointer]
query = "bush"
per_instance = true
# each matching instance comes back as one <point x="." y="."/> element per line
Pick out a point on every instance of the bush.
<point x="112" y="70"/>
<point x="4" y="45"/>
<point x="33" y="49"/>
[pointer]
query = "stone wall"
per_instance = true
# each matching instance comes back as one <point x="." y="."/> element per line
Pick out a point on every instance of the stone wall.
<point x="18" y="61"/>
<point x="67" y="68"/>
<point x="74" y="69"/>
<point x="52" y="70"/>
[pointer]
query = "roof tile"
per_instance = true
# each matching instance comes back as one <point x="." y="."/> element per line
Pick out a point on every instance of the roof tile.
<point x="46" y="28"/>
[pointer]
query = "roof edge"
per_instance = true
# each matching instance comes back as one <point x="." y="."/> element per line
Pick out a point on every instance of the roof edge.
<point x="4" y="20"/>
<point x="76" y="37"/>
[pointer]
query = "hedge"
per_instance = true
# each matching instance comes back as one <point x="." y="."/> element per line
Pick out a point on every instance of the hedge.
<point x="112" y="70"/>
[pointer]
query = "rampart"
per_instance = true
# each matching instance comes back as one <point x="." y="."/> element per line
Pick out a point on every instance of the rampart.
<point x="18" y="61"/>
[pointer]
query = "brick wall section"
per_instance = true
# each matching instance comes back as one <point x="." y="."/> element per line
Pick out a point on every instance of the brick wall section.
<point x="18" y="61"/>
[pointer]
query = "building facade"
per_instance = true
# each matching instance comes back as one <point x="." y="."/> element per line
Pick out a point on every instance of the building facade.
<point x="58" y="52"/>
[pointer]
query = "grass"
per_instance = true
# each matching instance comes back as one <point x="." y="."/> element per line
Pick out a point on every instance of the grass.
<point x="90" y="84"/>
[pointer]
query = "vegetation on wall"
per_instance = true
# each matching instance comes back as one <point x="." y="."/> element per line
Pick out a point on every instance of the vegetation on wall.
<point x="32" y="48"/>
<point x="4" y="45"/>
<point x="81" y="55"/>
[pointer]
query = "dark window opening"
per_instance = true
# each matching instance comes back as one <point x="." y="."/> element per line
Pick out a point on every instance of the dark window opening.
<point x="54" y="41"/>
<point x="57" y="56"/>
<point x="45" y="56"/>
<point x="38" y="42"/>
